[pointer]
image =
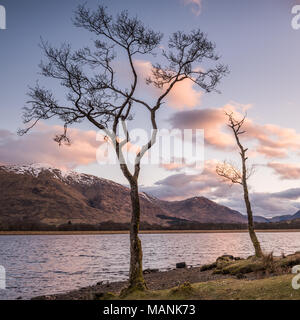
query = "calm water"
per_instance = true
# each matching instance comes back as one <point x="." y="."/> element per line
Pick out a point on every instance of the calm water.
<point x="37" y="265"/>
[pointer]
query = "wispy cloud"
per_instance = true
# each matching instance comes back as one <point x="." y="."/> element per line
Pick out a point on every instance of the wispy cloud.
<point x="196" y="6"/>
<point x="184" y="95"/>
<point x="286" y="171"/>
<point x="180" y="186"/>
<point x="271" y="141"/>
<point x="38" y="146"/>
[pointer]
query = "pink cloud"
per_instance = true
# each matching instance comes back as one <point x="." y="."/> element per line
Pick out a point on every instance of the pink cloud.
<point x="269" y="152"/>
<point x="286" y="171"/>
<point x="272" y="141"/>
<point x="183" y="94"/>
<point x="179" y="164"/>
<point x="211" y="120"/>
<point x="38" y="146"/>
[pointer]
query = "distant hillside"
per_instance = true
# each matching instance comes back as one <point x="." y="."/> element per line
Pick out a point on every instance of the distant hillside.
<point x="43" y="194"/>
<point x="201" y="210"/>
<point x="286" y="217"/>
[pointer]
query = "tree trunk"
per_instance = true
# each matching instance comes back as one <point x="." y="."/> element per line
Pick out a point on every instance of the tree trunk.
<point x="236" y="128"/>
<point x="253" y="237"/>
<point x="136" y="279"/>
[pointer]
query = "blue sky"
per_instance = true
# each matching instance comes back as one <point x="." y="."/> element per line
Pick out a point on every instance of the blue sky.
<point x="254" y="38"/>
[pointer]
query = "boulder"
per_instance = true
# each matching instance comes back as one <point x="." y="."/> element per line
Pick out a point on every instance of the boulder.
<point x="226" y="257"/>
<point x="206" y="267"/>
<point x="180" y="265"/>
<point x="147" y="271"/>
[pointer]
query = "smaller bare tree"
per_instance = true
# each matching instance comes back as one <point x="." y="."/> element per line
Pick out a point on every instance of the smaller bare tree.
<point x="237" y="176"/>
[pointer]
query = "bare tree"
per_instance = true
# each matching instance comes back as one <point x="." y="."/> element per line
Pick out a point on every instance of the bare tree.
<point x="236" y="176"/>
<point x="93" y="92"/>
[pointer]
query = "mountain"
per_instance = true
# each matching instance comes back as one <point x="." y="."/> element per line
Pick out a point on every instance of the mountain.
<point x="202" y="210"/>
<point x="286" y="217"/>
<point x="43" y="194"/>
<point x="261" y="219"/>
<point x="47" y="195"/>
<point x="296" y="215"/>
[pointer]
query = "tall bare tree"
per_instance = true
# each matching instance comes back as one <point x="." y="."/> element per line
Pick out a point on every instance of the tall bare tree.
<point x="236" y="176"/>
<point x="93" y="92"/>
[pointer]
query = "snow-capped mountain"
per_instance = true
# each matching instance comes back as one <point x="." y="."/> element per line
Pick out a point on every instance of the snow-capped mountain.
<point x="64" y="175"/>
<point x="41" y="193"/>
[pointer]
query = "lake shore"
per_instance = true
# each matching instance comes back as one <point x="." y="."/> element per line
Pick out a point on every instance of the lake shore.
<point x="5" y="233"/>
<point x="268" y="277"/>
<point x="155" y="281"/>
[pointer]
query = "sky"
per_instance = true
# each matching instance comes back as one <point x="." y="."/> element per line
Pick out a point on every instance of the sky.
<point x="254" y="38"/>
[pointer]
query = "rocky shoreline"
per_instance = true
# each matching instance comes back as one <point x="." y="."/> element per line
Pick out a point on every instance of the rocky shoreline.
<point x="155" y="281"/>
<point x="225" y="267"/>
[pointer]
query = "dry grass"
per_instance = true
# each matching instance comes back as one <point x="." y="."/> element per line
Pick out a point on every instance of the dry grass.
<point x="274" y="288"/>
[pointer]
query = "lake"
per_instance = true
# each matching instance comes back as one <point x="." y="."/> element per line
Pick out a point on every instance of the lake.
<point x="46" y="264"/>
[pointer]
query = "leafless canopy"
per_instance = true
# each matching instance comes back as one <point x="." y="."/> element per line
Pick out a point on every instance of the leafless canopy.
<point x="90" y="79"/>
<point x="230" y="171"/>
<point x="236" y="126"/>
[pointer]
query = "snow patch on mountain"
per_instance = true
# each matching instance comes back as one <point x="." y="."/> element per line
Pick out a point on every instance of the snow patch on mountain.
<point x="33" y="169"/>
<point x="144" y="195"/>
<point x="64" y="175"/>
